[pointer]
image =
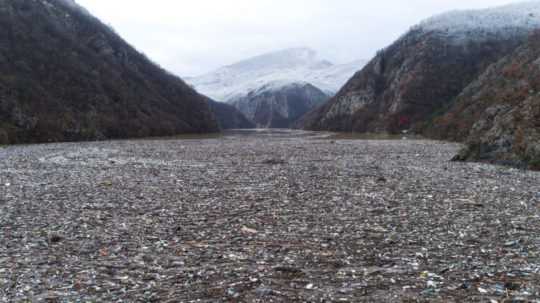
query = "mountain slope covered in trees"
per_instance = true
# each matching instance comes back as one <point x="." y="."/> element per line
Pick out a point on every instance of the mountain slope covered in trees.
<point x="499" y="113"/>
<point x="419" y="76"/>
<point x="67" y="76"/>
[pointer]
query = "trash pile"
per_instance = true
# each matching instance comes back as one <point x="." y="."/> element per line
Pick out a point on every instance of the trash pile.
<point x="290" y="218"/>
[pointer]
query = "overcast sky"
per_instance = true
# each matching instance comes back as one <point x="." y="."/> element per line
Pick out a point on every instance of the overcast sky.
<point x="191" y="37"/>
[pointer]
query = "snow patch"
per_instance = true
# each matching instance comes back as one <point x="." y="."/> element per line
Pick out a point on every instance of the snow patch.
<point x="503" y="21"/>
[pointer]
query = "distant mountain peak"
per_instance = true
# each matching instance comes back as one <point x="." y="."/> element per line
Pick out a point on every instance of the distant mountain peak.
<point x="276" y="88"/>
<point x="283" y="59"/>
<point x="301" y="53"/>
<point x="283" y="67"/>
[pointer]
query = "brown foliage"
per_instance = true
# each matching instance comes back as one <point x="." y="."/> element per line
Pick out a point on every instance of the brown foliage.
<point x="514" y="70"/>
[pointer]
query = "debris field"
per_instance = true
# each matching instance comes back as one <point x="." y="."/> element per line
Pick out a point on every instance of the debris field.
<point x="274" y="216"/>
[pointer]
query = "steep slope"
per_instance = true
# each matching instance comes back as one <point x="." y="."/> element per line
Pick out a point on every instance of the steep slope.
<point x="279" y="105"/>
<point x="420" y="75"/>
<point x="228" y="117"/>
<point x="500" y="111"/>
<point x="67" y="76"/>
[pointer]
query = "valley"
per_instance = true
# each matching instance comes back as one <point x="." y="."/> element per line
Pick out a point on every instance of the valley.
<point x="300" y="172"/>
<point x="264" y="216"/>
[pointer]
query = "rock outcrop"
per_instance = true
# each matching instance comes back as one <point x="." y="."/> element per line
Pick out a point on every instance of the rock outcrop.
<point x="279" y="106"/>
<point x="67" y="76"/>
<point x="499" y="113"/>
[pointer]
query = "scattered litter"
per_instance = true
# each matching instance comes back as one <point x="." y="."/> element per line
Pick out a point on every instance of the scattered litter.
<point x="204" y="221"/>
<point x="248" y="230"/>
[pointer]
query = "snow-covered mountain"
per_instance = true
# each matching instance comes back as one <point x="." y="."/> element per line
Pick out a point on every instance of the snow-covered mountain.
<point x="503" y="21"/>
<point x="273" y="71"/>
<point x="275" y="89"/>
<point x="419" y="76"/>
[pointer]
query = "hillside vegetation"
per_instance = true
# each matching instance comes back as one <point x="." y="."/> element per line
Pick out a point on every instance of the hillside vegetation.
<point x="67" y="76"/>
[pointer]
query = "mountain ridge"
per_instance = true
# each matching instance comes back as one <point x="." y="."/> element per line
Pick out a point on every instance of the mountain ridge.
<point x="68" y="77"/>
<point x="420" y="74"/>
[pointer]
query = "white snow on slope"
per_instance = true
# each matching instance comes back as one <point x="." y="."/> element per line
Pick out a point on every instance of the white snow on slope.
<point x="273" y="71"/>
<point x="503" y="20"/>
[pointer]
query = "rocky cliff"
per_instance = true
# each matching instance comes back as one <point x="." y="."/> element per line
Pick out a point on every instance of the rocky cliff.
<point x="279" y="106"/>
<point x="499" y="113"/>
<point x="419" y="76"/>
<point x="66" y="76"/>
